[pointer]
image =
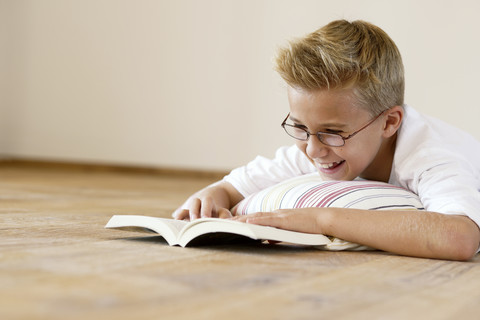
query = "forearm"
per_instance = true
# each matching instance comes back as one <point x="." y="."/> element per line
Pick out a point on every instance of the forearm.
<point x="412" y="233"/>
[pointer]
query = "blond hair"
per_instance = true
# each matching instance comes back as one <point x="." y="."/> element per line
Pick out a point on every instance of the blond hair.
<point x="346" y="54"/>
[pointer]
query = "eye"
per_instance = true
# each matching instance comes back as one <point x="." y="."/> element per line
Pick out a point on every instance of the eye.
<point x="300" y="126"/>
<point x="333" y="131"/>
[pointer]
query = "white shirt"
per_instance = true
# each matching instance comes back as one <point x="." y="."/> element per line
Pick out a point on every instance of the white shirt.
<point x="437" y="161"/>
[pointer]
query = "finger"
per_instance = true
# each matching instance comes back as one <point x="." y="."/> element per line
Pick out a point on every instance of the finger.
<point x="181" y="214"/>
<point x="208" y="208"/>
<point x="241" y="218"/>
<point x="267" y="219"/>
<point x="195" y="208"/>
<point x="224" y="213"/>
<point x="179" y="211"/>
<point x="258" y="215"/>
<point x="248" y="218"/>
<point x="176" y="213"/>
<point x="285" y="219"/>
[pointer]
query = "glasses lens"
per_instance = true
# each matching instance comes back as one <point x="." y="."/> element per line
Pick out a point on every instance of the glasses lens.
<point x="295" y="132"/>
<point x="333" y="140"/>
<point x="329" y="139"/>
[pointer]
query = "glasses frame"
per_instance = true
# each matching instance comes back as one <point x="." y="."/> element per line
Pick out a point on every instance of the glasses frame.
<point x="321" y="133"/>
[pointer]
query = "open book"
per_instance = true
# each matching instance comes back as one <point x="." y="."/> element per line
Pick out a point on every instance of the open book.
<point x="211" y="230"/>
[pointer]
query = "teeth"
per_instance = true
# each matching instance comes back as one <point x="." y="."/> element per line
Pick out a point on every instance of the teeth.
<point x="328" y="165"/>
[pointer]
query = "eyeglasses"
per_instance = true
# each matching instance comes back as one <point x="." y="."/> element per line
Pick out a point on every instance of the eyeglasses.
<point x="329" y="139"/>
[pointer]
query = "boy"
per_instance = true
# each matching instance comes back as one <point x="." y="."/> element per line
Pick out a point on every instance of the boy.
<point x="347" y="116"/>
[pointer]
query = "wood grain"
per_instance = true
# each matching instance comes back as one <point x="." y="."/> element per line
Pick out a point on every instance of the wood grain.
<point x="58" y="262"/>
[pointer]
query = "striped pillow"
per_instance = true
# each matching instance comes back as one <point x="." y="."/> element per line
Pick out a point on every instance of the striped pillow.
<point x="311" y="191"/>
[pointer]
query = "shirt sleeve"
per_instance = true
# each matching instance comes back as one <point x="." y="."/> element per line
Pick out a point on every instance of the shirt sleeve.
<point x="440" y="163"/>
<point x="262" y="172"/>
<point x="445" y="183"/>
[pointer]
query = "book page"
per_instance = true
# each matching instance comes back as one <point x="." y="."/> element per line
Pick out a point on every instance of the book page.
<point x="212" y="225"/>
<point x="174" y="224"/>
<point x="167" y="228"/>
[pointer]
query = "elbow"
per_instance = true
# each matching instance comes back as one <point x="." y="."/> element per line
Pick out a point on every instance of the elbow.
<point x="464" y="250"/>
<point x="463" y="240"/>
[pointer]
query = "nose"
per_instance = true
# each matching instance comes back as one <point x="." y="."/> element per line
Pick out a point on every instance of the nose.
<point x="316" y="149"/>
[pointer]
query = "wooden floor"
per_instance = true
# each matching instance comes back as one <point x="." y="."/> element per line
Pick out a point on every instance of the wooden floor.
<point x="58" y="262"/>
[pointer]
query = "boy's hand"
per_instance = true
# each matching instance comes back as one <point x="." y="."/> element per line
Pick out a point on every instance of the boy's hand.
<point x="301" y="220"/>
<point x="201" y="207"/>
<point x="211" y="202"/>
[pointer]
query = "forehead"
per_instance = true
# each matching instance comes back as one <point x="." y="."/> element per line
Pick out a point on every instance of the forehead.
<point x="334" y="105"/>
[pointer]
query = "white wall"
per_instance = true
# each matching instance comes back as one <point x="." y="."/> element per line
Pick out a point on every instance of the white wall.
<point x="3" y="76"/>
<point x="190" y="84"/>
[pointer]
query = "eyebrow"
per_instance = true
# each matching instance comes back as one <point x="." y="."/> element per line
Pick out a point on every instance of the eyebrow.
<point x="333" y="124"/>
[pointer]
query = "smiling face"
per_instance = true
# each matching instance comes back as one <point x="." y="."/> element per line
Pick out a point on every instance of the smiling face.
<point x="368" y="154"/>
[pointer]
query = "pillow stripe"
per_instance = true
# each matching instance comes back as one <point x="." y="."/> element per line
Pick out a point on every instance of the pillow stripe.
<point x="314" y="194"/>
<point x="313" y="198"/>
<point x="398" y="207"/>
<point x="393" y="198"/>
<point x="388" y="193"/>
<point x="279" y="192"/>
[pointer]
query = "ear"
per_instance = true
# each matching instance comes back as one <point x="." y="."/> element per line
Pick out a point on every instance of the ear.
<point x="393" y="119"/>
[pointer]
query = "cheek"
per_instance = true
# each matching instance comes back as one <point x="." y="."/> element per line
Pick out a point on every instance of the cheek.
<point x="302" y="145"/>
<point x="360" y="155"/>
